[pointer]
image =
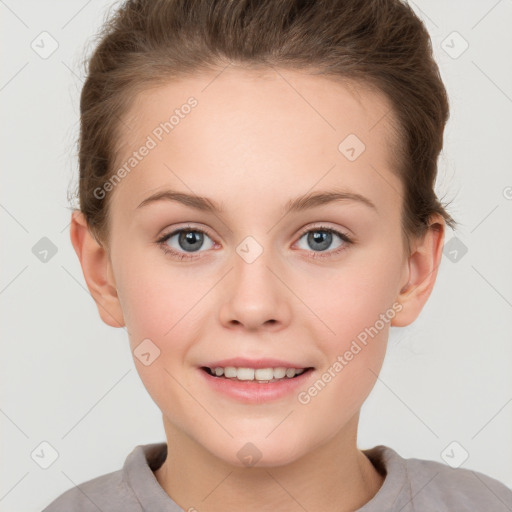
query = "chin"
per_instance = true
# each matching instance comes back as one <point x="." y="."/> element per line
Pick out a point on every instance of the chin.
<point x="259" y="451"/>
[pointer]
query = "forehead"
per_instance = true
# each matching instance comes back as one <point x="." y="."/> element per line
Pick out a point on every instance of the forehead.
<point x="244" y="132"/>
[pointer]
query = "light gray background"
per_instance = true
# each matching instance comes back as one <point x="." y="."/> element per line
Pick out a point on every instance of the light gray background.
<point x="70" y="381"/>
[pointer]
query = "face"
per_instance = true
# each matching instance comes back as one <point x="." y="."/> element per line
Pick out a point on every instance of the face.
<point x="255" y="279"/>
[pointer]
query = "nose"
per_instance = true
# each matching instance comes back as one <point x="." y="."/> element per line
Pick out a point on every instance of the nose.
<point x="254" y="295"/>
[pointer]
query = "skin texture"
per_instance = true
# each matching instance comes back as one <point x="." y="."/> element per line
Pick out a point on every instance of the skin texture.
<point x="255" y="141"/>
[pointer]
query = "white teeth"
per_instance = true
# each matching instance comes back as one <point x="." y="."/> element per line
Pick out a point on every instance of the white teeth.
<point x="279" y="373"/>
<point x="264" y="374"/>
<point x="229" y="372"/>
<point x="245" y="373"/>
<point x="260" y="374"/>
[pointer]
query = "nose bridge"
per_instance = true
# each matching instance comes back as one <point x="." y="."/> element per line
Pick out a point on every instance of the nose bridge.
<point x="255" y="295"/>
<point x="251" y="266"/>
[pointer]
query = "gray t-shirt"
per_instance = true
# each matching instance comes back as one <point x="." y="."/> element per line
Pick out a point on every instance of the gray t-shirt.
<point x="410" y="485"/>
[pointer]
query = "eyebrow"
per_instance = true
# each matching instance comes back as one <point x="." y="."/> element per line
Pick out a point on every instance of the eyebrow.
<point x="298" y="204"/>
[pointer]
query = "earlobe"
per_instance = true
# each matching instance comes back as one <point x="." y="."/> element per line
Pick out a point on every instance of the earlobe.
<point x="423" y="264"/>
<point x="96" y="267"/>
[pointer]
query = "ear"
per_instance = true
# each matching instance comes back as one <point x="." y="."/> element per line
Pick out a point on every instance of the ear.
<point x="420" y="273"/>
<point x="97" y="270"/>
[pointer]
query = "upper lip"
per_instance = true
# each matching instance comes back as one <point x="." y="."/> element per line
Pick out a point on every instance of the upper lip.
<point x="242" y="362"/>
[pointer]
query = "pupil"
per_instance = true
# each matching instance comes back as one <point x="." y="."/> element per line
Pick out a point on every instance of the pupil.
<point x="191" y="237"/>
<point x="321" y="236"/>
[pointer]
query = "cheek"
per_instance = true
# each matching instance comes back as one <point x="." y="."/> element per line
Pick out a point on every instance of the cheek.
<point x="352" y="298"/>
<point x="159" y="307"/>
<point x="156" y="299"/>
<point x="355" y="308"/>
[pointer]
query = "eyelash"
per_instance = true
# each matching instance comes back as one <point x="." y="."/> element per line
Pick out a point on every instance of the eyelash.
<point x="181" y="255"/>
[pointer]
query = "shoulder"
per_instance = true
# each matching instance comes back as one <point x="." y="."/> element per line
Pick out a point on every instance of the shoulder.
<point x="110" y="492"/>
<point x="121" y="491"/>
<point x="413" y="485"/>
<point x="458" y="489"/>
<point x="107" y="493"/>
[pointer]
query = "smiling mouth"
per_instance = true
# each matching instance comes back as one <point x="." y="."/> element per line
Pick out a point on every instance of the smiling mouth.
<point x="261" y="375"/>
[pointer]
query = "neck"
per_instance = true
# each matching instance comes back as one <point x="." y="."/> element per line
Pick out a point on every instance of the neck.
<point x="334" y="477"/>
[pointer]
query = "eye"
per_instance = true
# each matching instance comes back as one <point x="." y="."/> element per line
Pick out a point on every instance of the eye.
<point x="185" y="239"/>
<point x="320" y="239"/>
<point x="189" y="240"/>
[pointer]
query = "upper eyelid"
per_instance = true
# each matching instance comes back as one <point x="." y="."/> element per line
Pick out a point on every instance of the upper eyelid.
<point x="175" y="231"/>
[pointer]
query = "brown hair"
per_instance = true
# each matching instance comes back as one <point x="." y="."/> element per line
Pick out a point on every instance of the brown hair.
<point x="379" y="43"/>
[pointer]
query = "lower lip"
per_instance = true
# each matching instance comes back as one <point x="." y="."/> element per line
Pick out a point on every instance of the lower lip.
<point x="252" y="392"/>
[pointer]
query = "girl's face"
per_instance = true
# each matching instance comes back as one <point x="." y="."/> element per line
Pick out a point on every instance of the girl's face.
<point x="249" y="277"/>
